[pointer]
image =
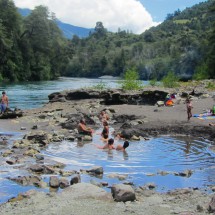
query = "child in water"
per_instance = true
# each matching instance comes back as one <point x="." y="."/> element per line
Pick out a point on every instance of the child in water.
<point x="122" y="147"/>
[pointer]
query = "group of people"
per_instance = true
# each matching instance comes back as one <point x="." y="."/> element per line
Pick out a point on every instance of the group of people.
<point x="189" y="106"/>
<point x="109" y="142"/>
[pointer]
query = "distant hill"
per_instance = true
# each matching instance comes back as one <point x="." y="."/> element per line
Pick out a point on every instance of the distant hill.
<point x="67" y="29"/>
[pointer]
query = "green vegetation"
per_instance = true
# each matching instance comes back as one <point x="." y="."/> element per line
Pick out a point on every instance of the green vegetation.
<point x="211" y="86"/>
<point x="131" y="80"/>
<point x="100" y="86"/>
<point x="170" y="80"/>
<point x="153" y="82"/>
<point x="33" y="48"/>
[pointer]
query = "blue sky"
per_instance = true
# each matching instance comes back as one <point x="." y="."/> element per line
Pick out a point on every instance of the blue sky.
<point x="160" y="8"/>
<point x="132" y="15"/>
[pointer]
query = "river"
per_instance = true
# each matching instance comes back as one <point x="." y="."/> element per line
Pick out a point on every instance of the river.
<point x="30" y="95"/>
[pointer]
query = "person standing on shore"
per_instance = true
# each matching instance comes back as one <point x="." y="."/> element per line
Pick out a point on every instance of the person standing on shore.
<point x="4" y="102"/>
<point x="189" y="109"/>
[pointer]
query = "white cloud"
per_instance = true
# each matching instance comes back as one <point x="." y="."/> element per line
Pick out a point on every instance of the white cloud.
<point x="114" y="14"/>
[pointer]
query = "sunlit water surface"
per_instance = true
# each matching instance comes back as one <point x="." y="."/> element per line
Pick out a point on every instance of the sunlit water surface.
<point x="34" y="94"/>
<point x="142" y="163"/>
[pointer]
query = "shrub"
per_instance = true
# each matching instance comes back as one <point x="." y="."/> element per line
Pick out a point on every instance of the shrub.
<point x="153" y="82"/>
<point x="170" y="80"/>
<point x="100" y="86"/>
<point x="131" y="80"/>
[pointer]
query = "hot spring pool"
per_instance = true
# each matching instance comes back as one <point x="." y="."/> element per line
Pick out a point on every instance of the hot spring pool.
<point x="142" y="163"/>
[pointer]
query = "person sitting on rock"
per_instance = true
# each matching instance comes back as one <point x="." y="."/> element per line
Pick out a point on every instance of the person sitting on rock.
<point x="122" y="147"/>
<point x="108" y="145"/>
<point x="83" y="129"/>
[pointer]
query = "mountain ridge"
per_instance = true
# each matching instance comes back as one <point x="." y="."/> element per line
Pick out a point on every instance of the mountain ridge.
<point x="68" y="30"/>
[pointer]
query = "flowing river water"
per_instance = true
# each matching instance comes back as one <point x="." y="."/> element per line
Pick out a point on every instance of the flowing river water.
<point x="153" y="161"/>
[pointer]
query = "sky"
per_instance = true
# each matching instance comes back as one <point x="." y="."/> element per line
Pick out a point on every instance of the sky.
<point x="132" y="15"/>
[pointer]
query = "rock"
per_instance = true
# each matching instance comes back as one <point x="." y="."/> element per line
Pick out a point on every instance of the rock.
<point x="67" y="173"/>
<point x="186" y="173"/>
<point x="98" y="170"/>
<point x="87" y="138"/>
<point x="11" y="161"/>
<point x="31" y="152"/>
<point x="95" y="183"/>
<point x="135" y="138"/>
<point x="119" y="176"/>
<point x="34" y="127"/>
<point x="151" y="185"/>
<point x="54" y="182"/>
<point x="37" y="168"/>
<point x="7" y="153"/>
<point x="64" y="182"/>
<point x="76" y="179"/>
<point x="48" y="170"/>
<point x="41" y="184"/>
<point x="160" y="103"/>
<point x="11" y="114"/>
<point x="39" y="137"/>
<point x="39" y="156"/>
<point x="23" y="128"/>
<point x="211" y="206"/>
<point x="87" y="190"/>
<point x="163" y="173"/>
<point x="70" y="138"/>
<point x="26" y="180"/>
<point x="123" y="193"/>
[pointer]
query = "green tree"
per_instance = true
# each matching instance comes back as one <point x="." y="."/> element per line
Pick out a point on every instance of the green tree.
<point x="131" y="80"/>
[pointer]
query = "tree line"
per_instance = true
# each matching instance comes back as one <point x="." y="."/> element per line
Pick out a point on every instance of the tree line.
<point x="33" y="47"/>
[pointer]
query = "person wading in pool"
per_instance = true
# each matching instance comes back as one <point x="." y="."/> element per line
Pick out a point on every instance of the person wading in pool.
<point x="108" y="145"/>
<point x="4" y="102"/>
<point x="122" y="147"/>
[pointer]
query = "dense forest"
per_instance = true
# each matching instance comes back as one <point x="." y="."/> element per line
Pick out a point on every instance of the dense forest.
<point x="33" y="47"/>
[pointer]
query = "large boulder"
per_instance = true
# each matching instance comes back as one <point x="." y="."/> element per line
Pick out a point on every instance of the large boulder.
<point x="123" y="193"/>
<point x="57" y="97"/>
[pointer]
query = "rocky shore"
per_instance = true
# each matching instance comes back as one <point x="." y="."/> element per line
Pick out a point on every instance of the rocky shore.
<point x="135" y="115"/>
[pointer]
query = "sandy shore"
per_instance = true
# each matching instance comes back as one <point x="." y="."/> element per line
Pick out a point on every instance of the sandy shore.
<point x="49" y="117"/>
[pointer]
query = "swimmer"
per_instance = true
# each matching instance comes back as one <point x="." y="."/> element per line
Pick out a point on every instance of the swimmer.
<point x="122" y="147"/>
<point x="109" y="145"/>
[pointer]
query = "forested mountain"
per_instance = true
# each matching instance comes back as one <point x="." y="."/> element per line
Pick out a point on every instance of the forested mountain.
<point x="67" y="29"/>
<point x="183" y="43"/>
<point x="34" y="48"/>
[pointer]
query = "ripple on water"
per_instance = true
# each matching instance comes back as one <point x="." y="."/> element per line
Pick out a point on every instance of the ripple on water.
<point x="142" y="162"/>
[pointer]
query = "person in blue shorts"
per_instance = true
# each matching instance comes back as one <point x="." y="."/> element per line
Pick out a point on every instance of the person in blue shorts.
<point x="4" y="102"/>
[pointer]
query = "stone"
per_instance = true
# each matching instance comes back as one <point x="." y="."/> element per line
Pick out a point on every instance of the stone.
<point x="39" y="156"/>
<point x="23" y="128"/>
<point x="36" y="168"/>
<point x="119" y="176"/>
<point x="11" y="161"/>
<point x="211" y="206"/>
<point x="7" y="153"/>
<point x="70" y="138"/>
<point x="87" y="138"/>
<point x="67" y="173"/>
<point x="64" y="182"/>
<point x="123" y="193"/>
<point x="54" y="182"/>
<point x="134" y="137"/>
<point x="98" y="170"/>
<point x="160" y="103"/>
<point x="75" y="179"/>
<point x="31" y="152"/>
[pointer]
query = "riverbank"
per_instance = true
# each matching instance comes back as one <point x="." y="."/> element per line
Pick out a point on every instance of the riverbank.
<point x="57" y="119"/>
